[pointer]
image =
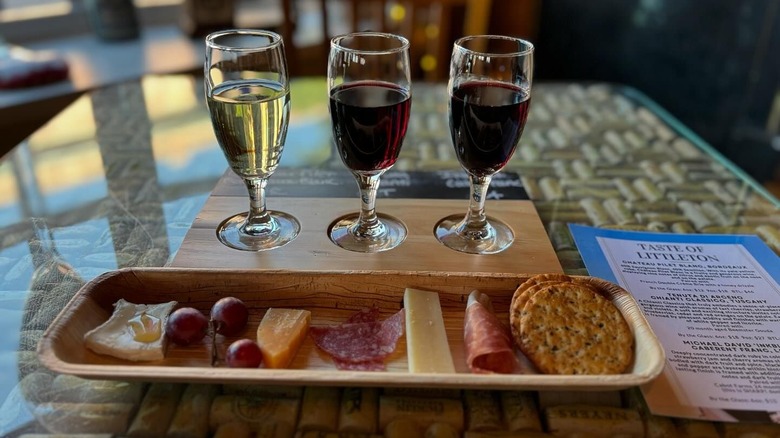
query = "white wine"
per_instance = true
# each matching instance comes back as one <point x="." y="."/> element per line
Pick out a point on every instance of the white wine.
<point x="250" y="122"/>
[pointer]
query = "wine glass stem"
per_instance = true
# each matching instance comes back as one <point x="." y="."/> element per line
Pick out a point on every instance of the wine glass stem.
<point x="258" y="221"/>
<point x="475" y="224"/>
<point x="368" y="224"/>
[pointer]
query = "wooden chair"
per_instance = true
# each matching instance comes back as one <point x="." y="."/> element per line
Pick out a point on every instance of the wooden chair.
<point x="430" y="25"/>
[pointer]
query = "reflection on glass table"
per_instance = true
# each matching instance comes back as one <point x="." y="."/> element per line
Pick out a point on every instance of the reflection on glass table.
<point x="117" y="179"/>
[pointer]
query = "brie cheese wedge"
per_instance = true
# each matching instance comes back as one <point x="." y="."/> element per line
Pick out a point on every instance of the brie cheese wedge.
<point x="119" y="336"/>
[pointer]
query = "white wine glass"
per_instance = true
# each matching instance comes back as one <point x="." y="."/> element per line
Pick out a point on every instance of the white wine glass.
<point x="369" y="85"/>
<point x="490" y="94"/>
<point x="248" y="96"/>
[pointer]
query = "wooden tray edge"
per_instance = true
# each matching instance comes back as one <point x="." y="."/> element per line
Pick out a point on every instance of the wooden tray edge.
<point x="643" y="333"/>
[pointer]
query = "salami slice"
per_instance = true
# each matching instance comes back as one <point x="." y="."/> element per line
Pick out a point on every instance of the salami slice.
<point x="361" y="343"/>
<point x="487" y="341"/>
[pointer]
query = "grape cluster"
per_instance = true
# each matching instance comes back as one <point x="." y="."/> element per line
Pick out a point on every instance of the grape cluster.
<point x="229" y="315"/>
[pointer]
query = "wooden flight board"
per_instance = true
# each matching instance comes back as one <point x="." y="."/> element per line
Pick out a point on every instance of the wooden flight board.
<point x="530" y="253"/>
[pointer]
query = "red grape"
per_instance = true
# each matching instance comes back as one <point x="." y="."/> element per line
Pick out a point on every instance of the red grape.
<point x="244" y="353"/>
<point x="229" y="315"/>
<point x="186" y="325"/>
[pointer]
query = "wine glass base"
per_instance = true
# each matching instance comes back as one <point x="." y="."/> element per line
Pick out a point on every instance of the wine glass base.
<point x="286" y="229"/>
<point x="498" y="237"/>
<point x="341" y="233"/>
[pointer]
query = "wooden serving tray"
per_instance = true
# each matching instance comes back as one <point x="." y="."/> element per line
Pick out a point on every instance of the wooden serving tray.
<point x="530" y="253"/>
<point x="331" y="298"/>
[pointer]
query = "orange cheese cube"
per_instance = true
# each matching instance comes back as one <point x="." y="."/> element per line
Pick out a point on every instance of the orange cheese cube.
<point x="280" y="334"/>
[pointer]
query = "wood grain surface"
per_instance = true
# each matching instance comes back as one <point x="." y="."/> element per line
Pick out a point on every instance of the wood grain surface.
<point x="531" y="252"/>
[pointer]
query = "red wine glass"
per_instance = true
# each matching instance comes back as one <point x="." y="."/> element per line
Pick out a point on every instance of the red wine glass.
<point x="370" y="99"/>
<point x="489" y="87"/>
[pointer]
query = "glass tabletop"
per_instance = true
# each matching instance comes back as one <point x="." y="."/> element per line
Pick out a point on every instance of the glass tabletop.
<point x="118" y="177"/>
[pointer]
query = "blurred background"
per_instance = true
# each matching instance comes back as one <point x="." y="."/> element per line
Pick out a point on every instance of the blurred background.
<point x="714" y="65"/>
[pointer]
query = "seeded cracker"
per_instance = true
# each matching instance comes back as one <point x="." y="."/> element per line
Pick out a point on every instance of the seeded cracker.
<point x="524" y="291"/>
<point x="569" y="328"/>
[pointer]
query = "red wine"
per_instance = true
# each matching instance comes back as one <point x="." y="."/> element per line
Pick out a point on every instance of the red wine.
<point x="486" y="122"/>
<point x="369" y="123"/>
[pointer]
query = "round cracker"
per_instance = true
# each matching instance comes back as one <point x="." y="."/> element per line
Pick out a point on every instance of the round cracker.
<point x="572" y="329"/>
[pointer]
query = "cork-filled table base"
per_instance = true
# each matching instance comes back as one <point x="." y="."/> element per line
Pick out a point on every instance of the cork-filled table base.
<point x="530" y="253"/>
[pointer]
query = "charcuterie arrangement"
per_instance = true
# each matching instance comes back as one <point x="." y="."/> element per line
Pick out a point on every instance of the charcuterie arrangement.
<point x="556" y="325"/>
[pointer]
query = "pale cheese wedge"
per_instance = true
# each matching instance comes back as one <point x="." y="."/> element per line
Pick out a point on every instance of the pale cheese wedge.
<point x="116" y="337"/>
<point x="280" y="334"/>
<point x="427" y="348"/>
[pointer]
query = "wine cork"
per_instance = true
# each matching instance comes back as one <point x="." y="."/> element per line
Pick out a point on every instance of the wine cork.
<point x="558" y="206"/>
<point x="483" y="412"/>
<point x="644" y="132"/>
<point x="656" y="226"/>
<point x="84" y="418"/>
<point x="319" y="409"/>
<point x="718" y="214"/>
<point x="567" y="154"/>
<point x="682" y="228"/>
<point x="652" y="171"/>
<point x="564" y="216"/>
<point x="593" y="421"/>
<point x="191" y="418"/>
<point x="235" y="429"/>
<point x="770" y="235"/>
<point x="403" y="428"/>
<point x="570" y="260"/>
<point x="426" y="411"/>
<point x="582" y="169"/>
<point x="669" y="186"/>
<point x="591" y="192"/>
<point x="581" y="125"/>
<point x="595" y="182"/>
<point x="531" y="169"/>
<point x="258" y="412"/>
<point x="270" y="391"/>
<point x="616" y="141"/>
<point x="634" y="140"/>
<point x="596" y="212"/>
<point x="441" y="430"/>
<point x="560" y="237"/>
<point x="673" y="171"/>
<point x="696" y="428"/>
<point x="422" y="392"/>
<point x="532" y="188"/>
<point x="156" y="410"/>
<point x="660" y="217"/>
<point x="557" y="138"/>
<point x="620" y="172"/>
<point x="618" y="211"/>
<point x="530" y="153"/>
<point x="720" y="191"/>
<point x="561" y="169"/>
<point x="749" y="430"/>
<point x="704" y="176"/>
<point x="736" y="229"/>
<point x="610" y="155"/>
<point x="68" y="388"/>
<point x="686" y="149"/>
<point x="660" y="207"/>
<point x="536" y="137"/>
<point x="551" y="189"/>
<point x="647" y="189"/>
<point x="691" y="196"/>
<point x="591" y="154"/>
<point x="626" y="190"/>
<point x="625" y="227"/>
<point x="549" y="399"/>
<point x="694" y="214"/>
<point x="520" y="411"/>
<point x="358" y="410"/>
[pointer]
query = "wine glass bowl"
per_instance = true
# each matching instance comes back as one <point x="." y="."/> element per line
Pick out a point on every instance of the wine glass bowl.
<point x="489" y="87"/>
<point x="248" y="97"/>
<point x="370" y="101"/>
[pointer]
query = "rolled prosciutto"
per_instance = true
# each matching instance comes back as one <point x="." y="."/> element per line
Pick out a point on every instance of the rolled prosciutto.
<point x="487" y="341"/>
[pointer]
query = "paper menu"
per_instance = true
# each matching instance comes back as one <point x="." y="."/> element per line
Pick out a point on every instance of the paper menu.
<point x="714" y="303"/>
